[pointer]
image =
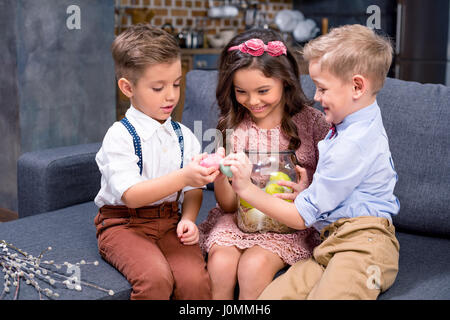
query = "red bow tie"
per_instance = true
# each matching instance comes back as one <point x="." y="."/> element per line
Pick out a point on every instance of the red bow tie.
<point x="333" y="131"/>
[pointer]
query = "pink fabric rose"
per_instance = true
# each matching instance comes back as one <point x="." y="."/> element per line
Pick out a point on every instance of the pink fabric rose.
<point x="255" y="47"/>
<point x="276" y="48"/>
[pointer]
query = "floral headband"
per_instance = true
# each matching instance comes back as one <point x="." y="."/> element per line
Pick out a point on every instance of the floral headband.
<point x="256" y="47"/>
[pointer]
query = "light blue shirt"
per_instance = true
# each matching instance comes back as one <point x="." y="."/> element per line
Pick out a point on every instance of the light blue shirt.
<point x="355" y="175"/>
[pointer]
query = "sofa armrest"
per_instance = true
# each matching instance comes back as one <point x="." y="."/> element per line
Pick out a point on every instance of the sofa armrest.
<point x="57" y="178"/>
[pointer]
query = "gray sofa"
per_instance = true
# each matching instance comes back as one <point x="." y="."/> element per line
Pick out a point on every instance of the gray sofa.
<point x="56" y="190"/>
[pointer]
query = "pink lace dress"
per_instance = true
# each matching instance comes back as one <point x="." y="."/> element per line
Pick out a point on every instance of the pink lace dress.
<point x="221" y="227"/>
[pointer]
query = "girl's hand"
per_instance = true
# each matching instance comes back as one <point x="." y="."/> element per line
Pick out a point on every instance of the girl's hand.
<point x="197" y="175"/>
<point x="241" y="167"/>
<point x="221" y="151"/>
<point x="187" y="232"/>
<point x="302" y="184"/>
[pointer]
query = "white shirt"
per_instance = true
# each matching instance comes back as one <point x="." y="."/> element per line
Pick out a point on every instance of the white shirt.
<point x="161" y="155"/>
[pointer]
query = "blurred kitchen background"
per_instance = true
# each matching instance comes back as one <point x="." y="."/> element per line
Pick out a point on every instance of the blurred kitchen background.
<point x="57" y="85"/>
<point x="418" y="28"/>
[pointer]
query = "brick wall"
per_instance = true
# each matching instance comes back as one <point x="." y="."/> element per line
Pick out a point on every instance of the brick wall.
<point x="194" y="13"/>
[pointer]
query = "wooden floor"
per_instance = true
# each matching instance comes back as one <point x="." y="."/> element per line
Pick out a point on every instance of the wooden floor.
<point x="7" y="215"/>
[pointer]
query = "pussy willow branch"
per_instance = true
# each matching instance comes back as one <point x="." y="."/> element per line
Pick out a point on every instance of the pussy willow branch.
<point x="32" y="269"/>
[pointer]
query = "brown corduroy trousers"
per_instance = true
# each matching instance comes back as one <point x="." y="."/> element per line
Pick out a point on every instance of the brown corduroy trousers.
<point x="143" y="245"/>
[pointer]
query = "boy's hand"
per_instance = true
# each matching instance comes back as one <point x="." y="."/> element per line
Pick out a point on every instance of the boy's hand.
<point x="187" y="232"/>
<point x="197" y="175"/>
<point x="302" y="184"/>
<point x="221" y="176"/>
<point x="241" y="167"/>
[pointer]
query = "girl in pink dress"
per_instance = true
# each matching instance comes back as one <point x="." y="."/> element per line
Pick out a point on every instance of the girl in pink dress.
<point x="261" y="101"/>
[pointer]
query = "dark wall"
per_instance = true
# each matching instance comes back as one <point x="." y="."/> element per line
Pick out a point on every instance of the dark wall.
<point x="66" y="79"/>
<point x="424" y="42"/>
<point x="9" y="106"/>
<point x="57" y="84"/>
<point x="419" y="30"/>
<point x="341" y="12"/>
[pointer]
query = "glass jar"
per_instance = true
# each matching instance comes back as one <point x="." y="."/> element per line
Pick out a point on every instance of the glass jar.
<point x="268" y="168"/>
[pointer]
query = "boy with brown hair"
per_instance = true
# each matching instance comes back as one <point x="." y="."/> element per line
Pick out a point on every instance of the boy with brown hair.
<point x="150" y="165"/>
<point x="350" y="200"/>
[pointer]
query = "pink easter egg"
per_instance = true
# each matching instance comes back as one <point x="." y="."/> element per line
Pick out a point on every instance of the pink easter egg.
<point x="212" y="160"/>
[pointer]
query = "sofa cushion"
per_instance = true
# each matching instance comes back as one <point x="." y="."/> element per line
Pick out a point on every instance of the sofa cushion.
<point x="424" y="269"/>
<point x="57" y="178"/>
<point x="200" y="113"/>
<point x="417" y="121"/>
<point x="208" y="203"/>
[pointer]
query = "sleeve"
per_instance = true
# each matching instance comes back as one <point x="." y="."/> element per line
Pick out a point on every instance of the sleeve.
<point x="338" y="173"/>
<point x="117" y="161"/>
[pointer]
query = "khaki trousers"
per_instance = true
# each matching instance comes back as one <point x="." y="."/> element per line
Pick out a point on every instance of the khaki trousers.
<point x="357" y="259"/>
<point x="143" y="245"/>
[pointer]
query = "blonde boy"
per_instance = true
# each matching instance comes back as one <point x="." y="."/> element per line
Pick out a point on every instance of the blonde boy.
<point x="350" y="200"/>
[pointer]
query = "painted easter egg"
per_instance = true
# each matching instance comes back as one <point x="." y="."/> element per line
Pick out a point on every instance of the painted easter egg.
<point x="226" y="170"/>
<point x="212" y="160"/>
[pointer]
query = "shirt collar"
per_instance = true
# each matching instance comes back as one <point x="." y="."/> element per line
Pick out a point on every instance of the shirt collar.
<point x="146" y="126"/>
<point x="365" y="113"/>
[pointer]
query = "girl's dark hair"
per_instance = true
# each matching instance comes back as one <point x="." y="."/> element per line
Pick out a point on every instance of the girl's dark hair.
<point x="283" y="67"/>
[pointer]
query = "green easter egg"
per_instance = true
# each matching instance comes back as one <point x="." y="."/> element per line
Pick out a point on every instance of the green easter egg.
<point x="226" y="170"/>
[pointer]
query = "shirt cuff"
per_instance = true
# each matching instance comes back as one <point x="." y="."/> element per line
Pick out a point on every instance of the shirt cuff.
<point x="187" y="188"/>
<point x="306" y="209"/>
<point x="120" y="184"/>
